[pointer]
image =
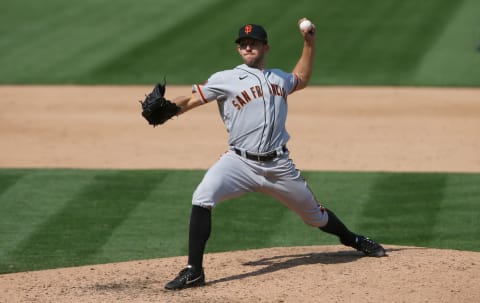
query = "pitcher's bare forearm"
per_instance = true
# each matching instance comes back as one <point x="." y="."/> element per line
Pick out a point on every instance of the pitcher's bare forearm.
<point x="187" y="103"/>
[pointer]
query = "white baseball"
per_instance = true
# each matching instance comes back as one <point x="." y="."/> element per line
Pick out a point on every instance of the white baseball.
<point x="305" y="25"/>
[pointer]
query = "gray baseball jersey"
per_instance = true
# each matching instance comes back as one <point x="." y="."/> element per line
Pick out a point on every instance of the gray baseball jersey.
<point x="253" y="106"/>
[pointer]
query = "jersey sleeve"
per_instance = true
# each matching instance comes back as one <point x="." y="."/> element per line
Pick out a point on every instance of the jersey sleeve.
<point x="295" y="81"/>
<point x="290" y="80"/>
<point x="213" y="89"/>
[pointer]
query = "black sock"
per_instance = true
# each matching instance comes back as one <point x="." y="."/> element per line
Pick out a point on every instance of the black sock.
<point x="200" y="228"/>
<point x="336" y="227"/>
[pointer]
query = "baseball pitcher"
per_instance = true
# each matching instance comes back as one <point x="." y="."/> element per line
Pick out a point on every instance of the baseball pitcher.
<point x="252" y="102"/>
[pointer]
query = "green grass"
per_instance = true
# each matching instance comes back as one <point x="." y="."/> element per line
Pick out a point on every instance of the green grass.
<point x="58" y="218"/>
<point x="370" y="42"/>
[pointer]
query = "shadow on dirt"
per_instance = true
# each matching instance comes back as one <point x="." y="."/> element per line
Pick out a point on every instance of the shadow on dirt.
<point x="276" y="263"/>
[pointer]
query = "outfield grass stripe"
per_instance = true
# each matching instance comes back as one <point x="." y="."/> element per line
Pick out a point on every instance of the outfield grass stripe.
<point x="403" y="207"/>
<point x="380" y="42"/>
<point x="8" y="178"/>
<point x="31" y="200"/>
<point x="56" y="218"/>
<point x="80" y="36"/>
<point x="457" y="224"/>
<point x="85" y="222"/>
<point x="251" y="221"/>
<point x="165" y="51"/>
<point x="454" y="58"/>
<point x="157" y="227"/>
<point x="380" y="37"/>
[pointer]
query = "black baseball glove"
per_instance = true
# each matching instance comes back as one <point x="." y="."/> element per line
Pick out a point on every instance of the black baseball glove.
<point x="156" y="109"/>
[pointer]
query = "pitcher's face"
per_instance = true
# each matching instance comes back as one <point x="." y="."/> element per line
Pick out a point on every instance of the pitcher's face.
<point x="253" y="52"/>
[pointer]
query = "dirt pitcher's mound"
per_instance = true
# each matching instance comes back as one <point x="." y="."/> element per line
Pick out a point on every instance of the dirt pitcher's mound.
<point x="295" y="274"/>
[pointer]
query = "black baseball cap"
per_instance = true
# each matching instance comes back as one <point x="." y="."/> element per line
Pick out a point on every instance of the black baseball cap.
<point x="252" y="31"/>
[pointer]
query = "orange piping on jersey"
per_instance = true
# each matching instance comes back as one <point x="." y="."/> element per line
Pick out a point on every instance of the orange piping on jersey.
<point x="199" y="90"/>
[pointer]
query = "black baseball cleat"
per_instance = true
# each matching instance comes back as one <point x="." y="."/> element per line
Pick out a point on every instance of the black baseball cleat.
<point x="369" y="247"/>
<point x="188" y="277"/>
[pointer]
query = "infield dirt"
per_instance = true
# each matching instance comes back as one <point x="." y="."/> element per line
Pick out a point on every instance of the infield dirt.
<point x="332" y="128"/>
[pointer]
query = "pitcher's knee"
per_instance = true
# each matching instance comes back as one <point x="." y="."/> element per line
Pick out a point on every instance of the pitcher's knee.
<point x="317" y="220"/>
<point x="205" y="204"/>
<point x="314" y="223"/>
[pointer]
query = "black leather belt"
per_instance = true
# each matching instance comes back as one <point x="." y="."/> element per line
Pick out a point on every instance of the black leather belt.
<point x="267" y="157"/>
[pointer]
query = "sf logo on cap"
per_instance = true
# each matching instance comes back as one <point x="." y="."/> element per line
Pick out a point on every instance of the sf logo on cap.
<point x="248" y="29"/>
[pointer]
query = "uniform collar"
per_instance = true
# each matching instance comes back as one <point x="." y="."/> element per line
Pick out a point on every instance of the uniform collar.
<point x="250" y="69"/>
